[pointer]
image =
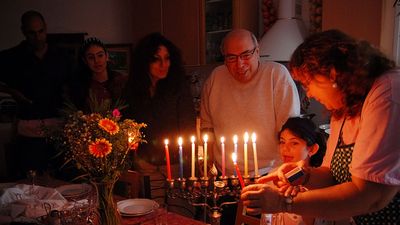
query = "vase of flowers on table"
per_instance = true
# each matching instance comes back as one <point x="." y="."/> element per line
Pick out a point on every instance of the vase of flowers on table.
<point x="99" y="145"/>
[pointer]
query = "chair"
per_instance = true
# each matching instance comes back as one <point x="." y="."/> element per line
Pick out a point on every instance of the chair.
<point x="129" y="184"/>
<point x="243" y="218"/>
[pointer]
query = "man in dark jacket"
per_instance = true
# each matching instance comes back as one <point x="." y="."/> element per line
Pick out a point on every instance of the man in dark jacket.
<point x="33" y="73"/>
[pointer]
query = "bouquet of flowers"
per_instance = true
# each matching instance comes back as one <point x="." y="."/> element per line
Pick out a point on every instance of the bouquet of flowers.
<point x="99" y="145"/>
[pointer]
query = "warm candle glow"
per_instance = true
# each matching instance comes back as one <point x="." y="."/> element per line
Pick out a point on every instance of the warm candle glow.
<point x="235" y="139"/>
<point x="223" y="155"/>
<point x="246" y="159"/>
<point x="192" y="139"/>
<point x="180" y="141"/>
<point x="253" y="137"/>
<point x="234" y="158"/>
<point x="205" y="138"/>
<point x="246" y="137"/>
<point x="169" y="175"/>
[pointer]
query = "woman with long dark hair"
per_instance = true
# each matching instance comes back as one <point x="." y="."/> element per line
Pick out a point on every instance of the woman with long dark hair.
<point x="158" y="94"/>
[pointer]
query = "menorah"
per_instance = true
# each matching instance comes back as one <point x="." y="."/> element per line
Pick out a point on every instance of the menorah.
<point x="206" y="192"/>
<point x="212" y="193"/>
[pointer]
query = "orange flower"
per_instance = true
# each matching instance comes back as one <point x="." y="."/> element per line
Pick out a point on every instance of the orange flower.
<point x="109" y="126"/>
<point x="100" y="148"/>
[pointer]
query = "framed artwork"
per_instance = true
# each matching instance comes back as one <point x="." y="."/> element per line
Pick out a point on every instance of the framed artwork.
<point x="119" y="56"/>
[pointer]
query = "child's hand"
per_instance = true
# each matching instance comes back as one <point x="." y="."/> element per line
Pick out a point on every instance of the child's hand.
<point x="291" y="190"/>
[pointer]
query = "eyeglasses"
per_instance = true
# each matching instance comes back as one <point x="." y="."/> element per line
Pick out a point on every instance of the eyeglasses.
<point x="243" y="56"/>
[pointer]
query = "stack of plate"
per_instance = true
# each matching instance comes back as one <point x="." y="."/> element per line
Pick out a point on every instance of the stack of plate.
<point x="136" y="207"/>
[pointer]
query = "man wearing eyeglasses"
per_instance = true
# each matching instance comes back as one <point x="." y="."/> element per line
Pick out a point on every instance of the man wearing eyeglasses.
<point x="246" y="95"/>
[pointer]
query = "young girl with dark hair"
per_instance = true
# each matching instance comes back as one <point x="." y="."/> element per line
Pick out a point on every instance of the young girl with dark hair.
<point x="95" y="87"/>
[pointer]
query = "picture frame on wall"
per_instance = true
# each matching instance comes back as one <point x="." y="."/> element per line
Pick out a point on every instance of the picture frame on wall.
<point x="119" y="56"/>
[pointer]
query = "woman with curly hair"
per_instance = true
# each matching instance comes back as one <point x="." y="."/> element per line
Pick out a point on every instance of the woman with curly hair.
<point x="360" y="174"/>
<point x="158" y="94"/>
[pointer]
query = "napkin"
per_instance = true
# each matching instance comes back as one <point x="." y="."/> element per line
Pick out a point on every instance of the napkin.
<point x="26" y="202"/>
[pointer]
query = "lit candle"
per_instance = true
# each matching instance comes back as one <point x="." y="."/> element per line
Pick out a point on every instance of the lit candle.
<point x="180" y="142"/>
<point x="246" y="162"/>
<point x="234" y="158"/>
<point x="253" y="139"/>
<point x="192" y="139"/>
<point x="235" y="147"/>
<point x="223" y="155"/>
<point x="235" y="141"/>
<point x="167" y="158"/>
<point x="205" y="139"/>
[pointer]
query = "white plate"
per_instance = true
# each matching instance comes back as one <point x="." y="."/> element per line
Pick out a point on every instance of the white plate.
<point x="324" y="126"/>
<point x="136" y="207"/>
<point x="74" y="190"/>
<point x="328" y="131"/>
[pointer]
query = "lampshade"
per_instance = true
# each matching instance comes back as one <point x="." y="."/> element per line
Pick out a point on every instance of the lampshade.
<point x="285" y="35"/>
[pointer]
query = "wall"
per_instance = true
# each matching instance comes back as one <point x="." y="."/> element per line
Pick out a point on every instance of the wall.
<point x="359" y="18"/>
<point x="371" y="20"/>
<point x="109" y="20"/>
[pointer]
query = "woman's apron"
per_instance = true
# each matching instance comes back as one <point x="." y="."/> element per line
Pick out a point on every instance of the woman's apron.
<point x="340" y="162"/>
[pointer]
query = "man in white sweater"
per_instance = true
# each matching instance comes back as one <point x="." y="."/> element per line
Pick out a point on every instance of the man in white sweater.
<point x="243" y="95"/>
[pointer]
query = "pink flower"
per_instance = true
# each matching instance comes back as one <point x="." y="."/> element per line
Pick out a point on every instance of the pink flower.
<point x="116" y="113"/>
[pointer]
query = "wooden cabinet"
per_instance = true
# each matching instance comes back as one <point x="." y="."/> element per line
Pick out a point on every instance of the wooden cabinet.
<point x="195" y="26"/>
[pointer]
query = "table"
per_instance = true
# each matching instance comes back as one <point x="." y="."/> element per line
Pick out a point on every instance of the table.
<point x="160" y="217"/>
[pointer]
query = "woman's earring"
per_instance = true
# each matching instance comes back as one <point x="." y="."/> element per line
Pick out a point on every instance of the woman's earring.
<point x="334" y="85"/>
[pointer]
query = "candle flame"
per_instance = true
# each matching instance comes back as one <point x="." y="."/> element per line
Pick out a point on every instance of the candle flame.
<point x="192" y="139"/>
<point x="234" y="158"/>
<point x="180" y="141"/>
<point x="246" y="137"/>
<point x="205" y="138"/>
<point x="166" y="141"/>
<point x="235" y="139"/>
<point x="222" y="140"/>
<point x="253" y="137"/>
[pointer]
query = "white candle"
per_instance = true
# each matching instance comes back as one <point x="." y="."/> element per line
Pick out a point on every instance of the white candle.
<point x="192" y="139"/>
<point x="246" y="162"/>
<point x="180" y="142"/>
<point x="253" y="139"/>
<point x="205" y="139"/>
<point x="223" y="155"/>
<point x="235" y="141"/>
<point x="235" y="147"/>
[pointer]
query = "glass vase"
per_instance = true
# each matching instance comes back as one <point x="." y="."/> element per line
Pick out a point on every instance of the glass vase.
<point x="106" y="207"/>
